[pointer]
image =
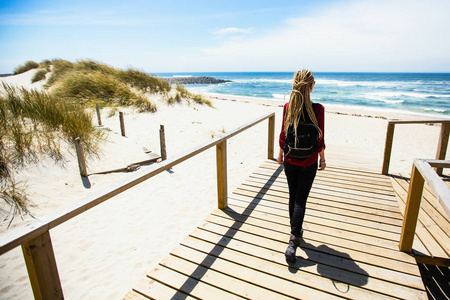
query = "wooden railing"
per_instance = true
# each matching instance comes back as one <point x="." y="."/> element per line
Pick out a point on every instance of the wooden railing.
<point x="422" y="172"/>
<point x="35" y="237"/>
<point x="441" y="149"/>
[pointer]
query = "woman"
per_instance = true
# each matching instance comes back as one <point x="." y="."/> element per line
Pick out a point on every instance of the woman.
<point x="300" y="172"/>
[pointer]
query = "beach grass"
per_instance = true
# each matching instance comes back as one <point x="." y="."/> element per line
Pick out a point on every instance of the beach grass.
<point x="39" y="75"/>
<point x="34" y="124"/>
<point x="184" y="93"/>
<point x="29" y="65"/>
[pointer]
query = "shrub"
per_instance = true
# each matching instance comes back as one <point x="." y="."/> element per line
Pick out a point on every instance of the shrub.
<point x="144" y="81"/>
<point x="196" y="98"/>
<point x="91" y="88"/>
<point x="60" y="68"/>
<point x="40" y="75"/>
<point x="32" y="125"/>
<point x="29" y="65"/>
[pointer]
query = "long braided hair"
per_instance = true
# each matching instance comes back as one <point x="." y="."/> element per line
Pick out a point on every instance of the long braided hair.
<point x="300" y="101"/>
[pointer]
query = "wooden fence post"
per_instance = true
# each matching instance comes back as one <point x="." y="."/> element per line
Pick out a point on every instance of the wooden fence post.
<point x="42" y="269"/>
<point x="81" y="158"/>
<point x="122" y="123"/>
<point x="99" y="118"/>
<point x="442" y="144"/>
<point x="388" y="148"/>
<point x="162" y="142"/>
<point x="222" y="180"/>
<point x="271" y="138"/>
<point x="411" y="210"/>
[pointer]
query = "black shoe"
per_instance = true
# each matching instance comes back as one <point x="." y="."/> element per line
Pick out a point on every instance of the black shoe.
<point x="294" y="242"/>
<point x="290" y="252"/>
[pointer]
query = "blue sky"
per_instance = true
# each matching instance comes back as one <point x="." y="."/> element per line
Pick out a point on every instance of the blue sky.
<point x="200" y="36"/>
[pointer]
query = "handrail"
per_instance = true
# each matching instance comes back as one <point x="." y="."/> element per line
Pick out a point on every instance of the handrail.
<point x="442" y="145"/>
<point x="422" y="172"/>
<point x="35" y="237"/>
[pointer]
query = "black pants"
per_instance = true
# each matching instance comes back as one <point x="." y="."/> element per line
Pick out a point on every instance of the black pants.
<point x="300" y="180"/>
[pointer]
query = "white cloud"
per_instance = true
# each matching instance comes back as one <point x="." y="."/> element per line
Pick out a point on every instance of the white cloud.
<point x="360" y="36"/>
<point x="233" y="30"/>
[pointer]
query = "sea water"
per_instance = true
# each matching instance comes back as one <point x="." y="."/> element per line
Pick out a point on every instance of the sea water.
<point x="419" y="93"/>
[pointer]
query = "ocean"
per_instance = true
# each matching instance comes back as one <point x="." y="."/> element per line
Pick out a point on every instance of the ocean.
<point x="416" y="93"/>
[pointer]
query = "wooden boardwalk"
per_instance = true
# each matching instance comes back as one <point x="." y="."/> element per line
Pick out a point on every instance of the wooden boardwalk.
<point x="432" y="241"/>
<point x="350" y="247"/>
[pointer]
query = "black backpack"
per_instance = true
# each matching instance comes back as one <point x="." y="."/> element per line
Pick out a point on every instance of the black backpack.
<point x="304" y="143"/>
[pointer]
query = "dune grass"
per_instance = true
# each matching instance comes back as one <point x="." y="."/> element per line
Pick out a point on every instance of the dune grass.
<point x="29" y="65"/>
<point x="182" y="92"/>
<point x="39" y="75"/>
<point x="34" y="124"/>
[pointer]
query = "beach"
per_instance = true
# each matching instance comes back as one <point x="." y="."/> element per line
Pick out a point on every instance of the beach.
<point x="103" y="252"/>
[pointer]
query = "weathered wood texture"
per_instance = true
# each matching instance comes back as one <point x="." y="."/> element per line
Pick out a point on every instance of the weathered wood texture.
<point x="433" y="226"/>
<point x="350" y="246"/>
<point x="442" y="142"/>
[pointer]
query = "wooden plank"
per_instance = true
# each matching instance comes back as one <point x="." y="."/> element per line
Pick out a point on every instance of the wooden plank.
<point x="433" y="221"/>
<point x="281" y="181"/>
<point x="207" y="274"/>
<point x="351" y="186"/>
<point x="273" y="249"/>
<point x="320" y="185"/>
<point x="331" y="200"/>
<point x="318" y="189"/>
<point x="375" y="177"/>
<point x="365" y="221"/>
<point x="271" y="138"/>
<point x="151" y="289"/>
<point x="263" y="284"/>
<point x="318" y="228"/>
<point x="310" y="284"/>
<point x="327" y="206"/>
<point x="132" y="295"/>
<point x="279" y="197"/>
<point x="426" y="244"/>
<point x="279" y="232"/>
<point x="432" y="236"/>
<point x="388" y="148"/>
<point x="186" y="280"/>
<point x="41" y="266"/>
<point x="222" y="177"/>
<point x="343" y="270"/>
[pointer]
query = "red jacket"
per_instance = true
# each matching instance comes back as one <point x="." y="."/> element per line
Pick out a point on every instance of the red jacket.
<point x="319" y="110"/>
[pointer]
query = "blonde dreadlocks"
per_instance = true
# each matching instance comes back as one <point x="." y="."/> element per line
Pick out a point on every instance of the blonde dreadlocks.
<point x="300" y="101"/>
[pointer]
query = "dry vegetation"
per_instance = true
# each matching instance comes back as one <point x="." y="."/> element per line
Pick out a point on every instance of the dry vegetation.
<point x="34" y="124"/>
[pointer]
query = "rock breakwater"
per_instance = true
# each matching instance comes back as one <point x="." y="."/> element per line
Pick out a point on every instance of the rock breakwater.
<point x="196" y="80"/>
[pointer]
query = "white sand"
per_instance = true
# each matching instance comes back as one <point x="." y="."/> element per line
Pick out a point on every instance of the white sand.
<point x="102" y="253"/>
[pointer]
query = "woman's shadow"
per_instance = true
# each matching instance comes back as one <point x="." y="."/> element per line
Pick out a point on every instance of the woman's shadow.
<point x="337" y="266"/>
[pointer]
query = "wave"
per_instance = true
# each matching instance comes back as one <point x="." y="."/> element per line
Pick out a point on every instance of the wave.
<point x="359" y="83"/>
<point x="265" y="80"/>
<point x="387" y="96"/>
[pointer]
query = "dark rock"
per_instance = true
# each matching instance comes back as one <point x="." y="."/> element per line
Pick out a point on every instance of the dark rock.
<point x="195" y="80"/>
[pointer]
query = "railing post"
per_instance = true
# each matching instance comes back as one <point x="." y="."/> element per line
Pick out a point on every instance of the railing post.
<point x="442" y="144"/>
<point x="388" y="148"/>
<point x="412" y="210"/>
<point x="99" y="117"/>
<point x="162" y="142"/>
<point x="81" y="158"/>
<point x="222" y="180"/>
<point x="122" y="123"/>
<point x="42" y="269"/>
<point x="271" y="137"/>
